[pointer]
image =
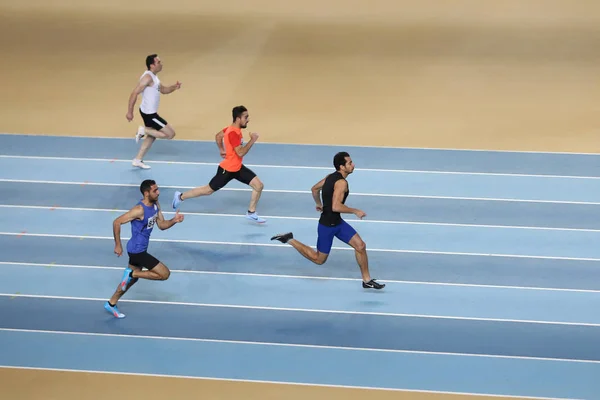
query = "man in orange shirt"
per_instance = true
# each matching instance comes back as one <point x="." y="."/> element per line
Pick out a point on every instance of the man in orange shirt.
<point x="232" y="166"/>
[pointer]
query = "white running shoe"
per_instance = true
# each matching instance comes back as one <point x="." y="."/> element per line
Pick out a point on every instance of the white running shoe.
<point x="140" y="164"/>
<point x="141" y="132"/>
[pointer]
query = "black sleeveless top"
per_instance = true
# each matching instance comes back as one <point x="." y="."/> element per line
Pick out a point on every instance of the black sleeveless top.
<point x="328" y="216"/>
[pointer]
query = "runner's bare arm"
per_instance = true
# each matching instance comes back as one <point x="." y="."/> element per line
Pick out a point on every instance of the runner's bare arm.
<point x="136" y="212"/>
<point x="339" y="189"/>
<point x="219" y="139"/>
<point x="145" y="81"/>
<point x="316" y="193"/>
<point x="166" y="224"/>
<point x="242" y="150"/>
<point x="170" y="89"/>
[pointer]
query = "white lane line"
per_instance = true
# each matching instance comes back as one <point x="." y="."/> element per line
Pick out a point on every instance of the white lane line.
<point x="307" y="346"/>
<point x="51" y="235"/>
<point x="307" y="277"/>
<point x="214" y="164"/>
<point x="440" y="149"/>
<point x="308" y="192"/>
<point x="367" y="221"/>
<point x="311" y="310"/>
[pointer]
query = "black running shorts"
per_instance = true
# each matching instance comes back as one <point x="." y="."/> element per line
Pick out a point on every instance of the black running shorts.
<point x="143" y="260"/>
<point x="222" y="177"/>
<point x="153" y="121"/>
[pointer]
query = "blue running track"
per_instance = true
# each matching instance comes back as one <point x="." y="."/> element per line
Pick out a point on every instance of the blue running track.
<point x="491" y="261"/>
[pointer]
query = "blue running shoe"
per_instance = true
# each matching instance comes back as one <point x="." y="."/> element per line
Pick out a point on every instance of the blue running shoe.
<point x="254" y="217"/>
<point x="126" y="279"/>
<point x="113" y="310"/>
<point x="176" y="200"/>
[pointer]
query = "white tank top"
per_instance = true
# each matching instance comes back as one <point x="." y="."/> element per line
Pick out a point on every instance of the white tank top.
<point x="150" y="95"/>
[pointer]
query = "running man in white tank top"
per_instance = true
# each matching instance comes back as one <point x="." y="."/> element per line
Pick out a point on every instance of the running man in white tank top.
<point x="154" y="125"/>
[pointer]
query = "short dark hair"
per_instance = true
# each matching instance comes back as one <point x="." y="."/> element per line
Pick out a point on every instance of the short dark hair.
<point x="237" y="112"/>
<point x="340" y="159"/>
<point x="150" y="60"/>
<point x="146" y="185"/>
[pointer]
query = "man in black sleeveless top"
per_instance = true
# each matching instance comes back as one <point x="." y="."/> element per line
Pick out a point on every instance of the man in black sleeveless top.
<point x="334" y="188"/>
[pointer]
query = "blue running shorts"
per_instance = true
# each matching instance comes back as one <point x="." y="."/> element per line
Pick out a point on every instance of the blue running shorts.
<point x="343" y="231"/>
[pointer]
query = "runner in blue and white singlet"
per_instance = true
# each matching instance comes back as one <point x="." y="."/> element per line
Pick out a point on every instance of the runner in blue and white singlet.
<point x="144" y="216"/>
<point x="142" y="229"/>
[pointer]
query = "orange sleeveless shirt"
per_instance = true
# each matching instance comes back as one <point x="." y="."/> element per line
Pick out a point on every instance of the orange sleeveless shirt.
<point x="232" y="138"/>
